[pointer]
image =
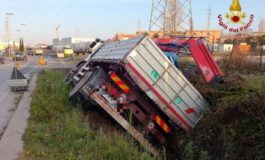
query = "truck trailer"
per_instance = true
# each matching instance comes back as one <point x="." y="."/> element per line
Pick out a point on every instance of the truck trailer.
<point x="134" y="77"/>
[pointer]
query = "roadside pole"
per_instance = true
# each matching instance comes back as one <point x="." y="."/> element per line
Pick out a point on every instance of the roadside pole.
<point x="15" y="59"/>
<point x="261" y="51"/>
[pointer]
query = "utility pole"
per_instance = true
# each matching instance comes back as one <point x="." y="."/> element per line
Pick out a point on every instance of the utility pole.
<point x="22" y="29"/>
<point x="171" y="16"/>
<point x="19" y="37"/>
<point x="262" y="42"/>
<point x="209" y="17"/>
<point x="139" y="26"/>
<point x="58" y="38"/>
<point x="23" y="41"/>
<point x="57" y="31"/>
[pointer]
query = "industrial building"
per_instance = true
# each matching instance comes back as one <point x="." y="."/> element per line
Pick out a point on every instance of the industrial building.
<point x="69" y="41"/>
<point x="123" y="36"/>
<point x="212" y="36"/>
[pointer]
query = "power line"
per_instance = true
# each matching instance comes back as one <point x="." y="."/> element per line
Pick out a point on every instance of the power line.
<point x="31" y="10"/>
<point x="55" y="14"/>
<point x="66" y="7"/>
<point x="41" y="17"/>
<point x="42" y="11"/>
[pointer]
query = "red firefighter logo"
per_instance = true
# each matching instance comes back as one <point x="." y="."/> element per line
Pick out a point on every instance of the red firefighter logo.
<point x="238" y="20"/>
<point x="236" y="15"/>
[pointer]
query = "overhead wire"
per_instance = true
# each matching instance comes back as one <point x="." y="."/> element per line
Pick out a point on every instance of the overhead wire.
<point x="41" y="19"/>
<point x="55" y="13"/>
<point x="42" y="12"/>
<point x="34" y="22"/>
<point x="34" y="7"/>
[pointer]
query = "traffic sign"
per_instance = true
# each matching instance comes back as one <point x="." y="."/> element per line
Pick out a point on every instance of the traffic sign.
<point x="17" y="82"/>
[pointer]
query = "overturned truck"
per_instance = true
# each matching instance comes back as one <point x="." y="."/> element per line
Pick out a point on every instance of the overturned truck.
<point x="134" y="77"/>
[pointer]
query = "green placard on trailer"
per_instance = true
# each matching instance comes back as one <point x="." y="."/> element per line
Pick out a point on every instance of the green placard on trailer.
<point x="178" y="100"/>
<point x="154" y="74"/>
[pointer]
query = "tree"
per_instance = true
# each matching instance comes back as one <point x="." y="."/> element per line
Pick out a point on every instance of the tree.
<point x="19" y="47"/>
<point x="21" y="44"/>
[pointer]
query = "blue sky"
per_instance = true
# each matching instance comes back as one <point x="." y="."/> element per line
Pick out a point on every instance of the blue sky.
<point x="101" y="18"/>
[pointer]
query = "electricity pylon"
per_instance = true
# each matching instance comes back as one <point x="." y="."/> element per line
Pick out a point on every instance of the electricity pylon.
<point x="171" y="16"/>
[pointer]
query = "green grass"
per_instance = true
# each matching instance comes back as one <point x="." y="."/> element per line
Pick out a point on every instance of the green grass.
<point x="57" y="130"/>
<point x="257" y="81"/>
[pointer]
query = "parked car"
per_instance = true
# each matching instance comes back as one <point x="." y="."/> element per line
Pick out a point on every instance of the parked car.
<point x="30" y="51"/>
<point x="2" y="57"/>
<point x="19" y="55"/>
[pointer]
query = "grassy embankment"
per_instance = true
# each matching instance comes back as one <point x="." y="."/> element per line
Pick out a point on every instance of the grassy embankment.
<point x="57" y="130"/>
<point x="234" y="128"/>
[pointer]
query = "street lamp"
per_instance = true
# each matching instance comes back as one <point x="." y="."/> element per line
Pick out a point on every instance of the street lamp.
<point x="22" y="29"/>
<point x="19" y="36"/>
<point x="8" y="14"/>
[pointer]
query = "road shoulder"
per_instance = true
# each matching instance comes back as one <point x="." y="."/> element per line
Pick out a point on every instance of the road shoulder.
<point x="11" y="144"/>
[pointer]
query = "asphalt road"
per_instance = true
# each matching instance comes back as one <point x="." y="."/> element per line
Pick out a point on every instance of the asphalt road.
<point x="9" y="99"/>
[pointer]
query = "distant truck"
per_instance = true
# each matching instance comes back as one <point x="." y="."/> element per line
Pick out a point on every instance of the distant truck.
<point x="68" y="52"/>
<point x="138" y="86"/>
<point x="38" y="51"/>
<point x="60" y="55"/>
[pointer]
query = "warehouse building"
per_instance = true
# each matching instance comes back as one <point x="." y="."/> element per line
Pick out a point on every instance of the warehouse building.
<point x="69" y="42"/>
